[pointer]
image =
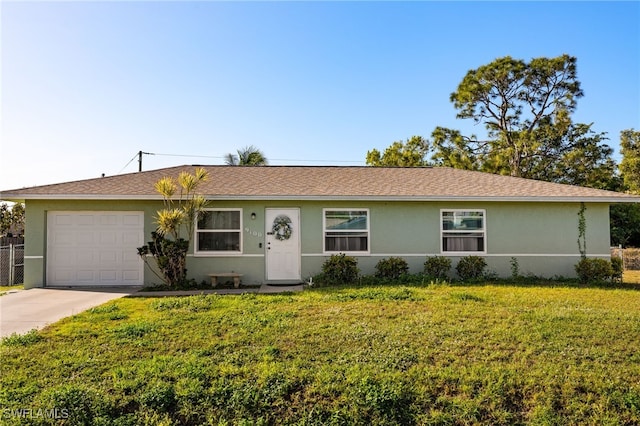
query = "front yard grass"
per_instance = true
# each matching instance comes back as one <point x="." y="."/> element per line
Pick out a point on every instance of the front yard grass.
<point x="11" y="287"/>
<point x="631" y="277"/>
<point x="438" y="354"/>
<point x="4" y="289"/>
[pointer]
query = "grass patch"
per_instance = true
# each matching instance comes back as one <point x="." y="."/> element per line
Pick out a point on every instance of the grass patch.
<point x="11" y="287"/>
<point x="631" y="277"/>
<point x="379" y="355"/>
<point x="6" y="288"/>
<point x="25" y="339"/>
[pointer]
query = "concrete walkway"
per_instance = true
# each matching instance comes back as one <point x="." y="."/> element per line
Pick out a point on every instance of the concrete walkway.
<point x="24" y="310"/>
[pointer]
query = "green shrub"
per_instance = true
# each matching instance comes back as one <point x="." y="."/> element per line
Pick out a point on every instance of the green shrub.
<point x="392" y="268"/>
<point x="515" y="268"/>
<point x="437" y="267"/>
<point x="594" y="270"/>
<point x="471" y="267"/>
<point x="617" y="267"/>
<point x="339" y="269"/>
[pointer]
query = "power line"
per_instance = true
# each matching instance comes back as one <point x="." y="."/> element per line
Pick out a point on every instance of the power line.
<point x="140" y="153"/>
<point x="140" y="159"/>
<point x="270" y="159"/>
<point x="126" y="165"/>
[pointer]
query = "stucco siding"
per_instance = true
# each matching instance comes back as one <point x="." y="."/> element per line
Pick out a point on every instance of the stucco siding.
<point x="542" y="236"/>
<point x="552" y="228"/>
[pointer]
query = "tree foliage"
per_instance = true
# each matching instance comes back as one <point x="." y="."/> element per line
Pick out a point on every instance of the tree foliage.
<point x="453" y="149"/>
<point x="518" y="102"/>
<point x="526" y="111"/>
<point x="247" y="156"/>
<point x="411" y="153"/>
<point x="625" y="218"/>
<point x="12" y="218"/>
<point x="630" y="164"/>
<point x="625" y="225"/>
<point x="581" y="158"/>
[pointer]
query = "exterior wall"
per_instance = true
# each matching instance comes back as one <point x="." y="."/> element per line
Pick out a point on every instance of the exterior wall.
<point x="36" y="230"/>
<point x="541" y="236"/>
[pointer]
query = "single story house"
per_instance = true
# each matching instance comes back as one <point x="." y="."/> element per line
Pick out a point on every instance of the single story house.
<point x="278" y="224"/>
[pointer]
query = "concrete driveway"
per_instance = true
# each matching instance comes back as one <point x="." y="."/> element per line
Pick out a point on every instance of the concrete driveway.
<point x="24" y="310"/>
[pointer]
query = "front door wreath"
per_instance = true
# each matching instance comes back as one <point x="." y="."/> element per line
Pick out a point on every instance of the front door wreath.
<point x="282" y="228"/>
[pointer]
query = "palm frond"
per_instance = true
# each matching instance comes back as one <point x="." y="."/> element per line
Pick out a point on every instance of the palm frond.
<point x="169" y="221"/>
<point x="166" y="187"/>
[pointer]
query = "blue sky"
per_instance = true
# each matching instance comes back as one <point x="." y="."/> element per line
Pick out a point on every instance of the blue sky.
<point x="86" y="85"/>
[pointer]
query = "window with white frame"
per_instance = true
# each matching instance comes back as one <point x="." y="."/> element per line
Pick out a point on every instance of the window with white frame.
<point x="346" y="230"/>
<point x="463" y="231"/>
<point x="219" y="231"/>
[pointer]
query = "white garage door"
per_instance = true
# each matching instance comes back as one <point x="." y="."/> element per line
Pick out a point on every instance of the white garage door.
<point x="92" y="248"/>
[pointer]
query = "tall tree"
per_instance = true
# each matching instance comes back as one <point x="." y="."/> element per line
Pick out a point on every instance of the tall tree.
<point x="12" y="218"/>
<point x="247" y="156"/>
<point x="517" y="101"/>
<point x="625" y="218"/>
<point x="411" y="153"/>
<point x="526" y="111"/>
<point x="452" y="149"/>
<point x="625" y="225"/>
<point x="578" y="156"/>
<point x="630" y="164"/>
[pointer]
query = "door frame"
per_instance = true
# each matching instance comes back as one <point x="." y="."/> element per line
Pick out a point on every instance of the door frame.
<point x="294" y="214"/>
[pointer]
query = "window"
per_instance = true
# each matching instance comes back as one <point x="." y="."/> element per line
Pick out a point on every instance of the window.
<point x="463" y="231"/>
<point x="346" y="230"/>
<point x="219" y="231"/>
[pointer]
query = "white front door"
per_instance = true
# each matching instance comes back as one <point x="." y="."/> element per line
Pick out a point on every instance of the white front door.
<point x="283" y="244"/>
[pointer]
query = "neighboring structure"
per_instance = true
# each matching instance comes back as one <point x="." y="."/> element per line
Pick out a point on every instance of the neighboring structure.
<point x="278" y="224"/>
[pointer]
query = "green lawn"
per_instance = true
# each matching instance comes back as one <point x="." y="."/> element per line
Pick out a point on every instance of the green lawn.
<point x="482" y="354"/>
<point x="631" y="277"/>
<point x="6" y="288"/>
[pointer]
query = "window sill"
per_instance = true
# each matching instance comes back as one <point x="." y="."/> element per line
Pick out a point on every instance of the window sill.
<point x="348" y="253"/>
<point x="462" y="253"/>
<point x="216" y="254"/>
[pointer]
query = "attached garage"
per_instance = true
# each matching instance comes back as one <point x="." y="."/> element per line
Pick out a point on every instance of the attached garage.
<point x="86" y="233"/>
<point x="94" y="248"/>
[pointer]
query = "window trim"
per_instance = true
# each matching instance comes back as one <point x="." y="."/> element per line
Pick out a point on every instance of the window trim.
<point x="324" y="230"/>
<point x="213" y="253"/>
<point x="483" y="231"/>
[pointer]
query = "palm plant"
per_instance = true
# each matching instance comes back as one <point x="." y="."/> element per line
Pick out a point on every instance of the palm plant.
<point x="171" y="254"/>
<point x="189" y="205"/>
<point x="247" y="156"/>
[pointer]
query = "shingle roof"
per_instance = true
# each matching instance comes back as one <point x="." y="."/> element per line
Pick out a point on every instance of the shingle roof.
<point x="333" y="182"/>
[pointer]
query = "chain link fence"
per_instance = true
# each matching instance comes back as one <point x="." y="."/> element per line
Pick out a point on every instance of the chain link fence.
<point x="630" y="257"/>
<point x="12" y="264"/>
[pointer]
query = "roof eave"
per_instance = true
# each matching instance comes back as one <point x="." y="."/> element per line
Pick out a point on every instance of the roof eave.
<point x="436" y="198"/>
